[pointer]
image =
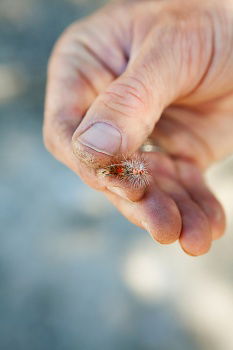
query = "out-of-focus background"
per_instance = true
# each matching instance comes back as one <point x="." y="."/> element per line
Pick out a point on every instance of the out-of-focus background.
<point x="74" y="274"/>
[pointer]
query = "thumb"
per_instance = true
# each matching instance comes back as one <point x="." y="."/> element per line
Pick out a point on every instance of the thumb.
<point x="123" y="116"/>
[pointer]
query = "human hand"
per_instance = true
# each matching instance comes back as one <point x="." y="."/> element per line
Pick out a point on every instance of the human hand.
<point x="162" y="69"/>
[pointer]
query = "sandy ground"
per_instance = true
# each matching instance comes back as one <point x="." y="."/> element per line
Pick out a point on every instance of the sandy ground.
<point x="74" y="274"/>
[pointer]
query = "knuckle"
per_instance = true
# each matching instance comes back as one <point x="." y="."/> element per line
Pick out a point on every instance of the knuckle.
<point x="65" y="44"/>
<point x="126" y="96"/>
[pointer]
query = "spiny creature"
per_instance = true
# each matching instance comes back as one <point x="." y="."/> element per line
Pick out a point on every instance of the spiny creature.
<point x="133" y="170"/>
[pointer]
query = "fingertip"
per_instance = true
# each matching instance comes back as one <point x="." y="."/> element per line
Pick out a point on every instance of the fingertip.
<point x="196" y="237"/>
<point x="155" y="212"/>
<point x="194" y="252"/>
<point x="126" y="176"/>
<point x="197" y="248"/>
<point x="216" y="216"/>
<point x="161" y="218"/>
<point x="195" y="184"/>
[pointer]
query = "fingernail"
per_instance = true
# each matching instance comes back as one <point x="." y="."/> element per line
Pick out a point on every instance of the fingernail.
<point x="102" y="137"/>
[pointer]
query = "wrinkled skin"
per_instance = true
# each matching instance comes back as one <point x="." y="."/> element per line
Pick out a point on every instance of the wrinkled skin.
<point x="162" y="69"/>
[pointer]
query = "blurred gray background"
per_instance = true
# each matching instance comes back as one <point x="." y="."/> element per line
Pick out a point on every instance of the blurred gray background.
<point x="74" y="274"/>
